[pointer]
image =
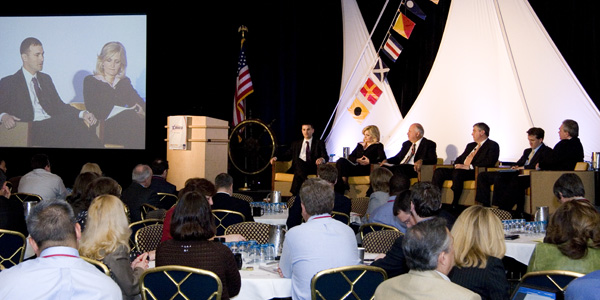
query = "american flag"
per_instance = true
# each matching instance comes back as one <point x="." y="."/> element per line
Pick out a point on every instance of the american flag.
<point x="243" y="88"/>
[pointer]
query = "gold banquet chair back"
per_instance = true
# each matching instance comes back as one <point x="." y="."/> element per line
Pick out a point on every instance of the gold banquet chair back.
<point x="225" y="218"/>
<point x="555" y="281"/>
<point x="26" y="197"/>
<point x="349" y="282"/>
<point x="12" y="248"/>
<point x="500" y="213"/>
<point x="369" y="227"/>
<point x="135" y="226"/>
<point x="380" y="241"/>
<point x="360" y="205"/>
<point x="148" y="238"/>
<point x="250" y="231"/>
<point x="179" y="282"/>
<point x="340" y="216"/>
<point x="167" y="200"/>
<point x="98" y="264"/>
<point x="242" y="197"/>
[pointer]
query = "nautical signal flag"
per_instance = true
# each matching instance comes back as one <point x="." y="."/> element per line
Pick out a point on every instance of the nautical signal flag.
<point x="392" y="48"/>
<point x="412" y="6"/>
<point x="371" y="91"/>
<point x="380" y="69"/>
<point x="358" y="111"/>
<point x="404" y="26"/>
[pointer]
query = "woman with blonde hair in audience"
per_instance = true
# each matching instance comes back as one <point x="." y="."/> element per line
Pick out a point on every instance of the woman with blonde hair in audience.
<point x="478" y="251"/>
<point x="91" y="167"/>
<point x="572" y="241"/>
<point x="106" y="238"/>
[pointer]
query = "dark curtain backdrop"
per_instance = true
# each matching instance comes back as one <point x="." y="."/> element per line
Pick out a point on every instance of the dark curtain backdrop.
<point x="294" y="51"/>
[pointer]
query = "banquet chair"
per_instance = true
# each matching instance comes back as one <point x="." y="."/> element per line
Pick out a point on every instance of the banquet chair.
<point x="349" y="282"/>
<point x="502" y="214"/>
<point x="145" y="209"/>
<point x="551" y="280"/>
<point x="290" y="201"/>
<point x="225" y="218"/>
<point x="250" y="231"/>
<point x="360" y="205"/>
<point x="167" y="200"/>
<point x="26" y="197"/>
<point x="12" y="248"/>
<point x="98" y="264"/>
<point x="135" y="226"/>
<point x="242" y="197"/>
<point x="340" y="216"/>
<point x="179" y="282"/>
<point x="364" y="229"/>
<point x="380" y="241"/>
<point x="148" y="238"/>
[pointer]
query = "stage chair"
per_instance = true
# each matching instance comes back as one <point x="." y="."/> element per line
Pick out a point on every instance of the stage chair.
<point x="251" y="231"/>
<point x="426" y="172"/>
<point x="225" y="218"/>
<point x="16" y="137"/>
<point x="98" y="264"/>
<point x="342" y="217"/>
<point x="179" y="282"/>
<point x="349" y="282"/>
<point x="280" y="180"/>
<point x="135" y="226"/>
<point x="167" y="200"/>
<point x="542" y="183"/>
<point x="380" y="241"/>
<point x="242" y="197"/>
<point x="469" y="187"/>
<point x="12" y="248"/>
<point x="147" y="238"/>
<point x="364" y="229"/>
<point x="359" y="205"/>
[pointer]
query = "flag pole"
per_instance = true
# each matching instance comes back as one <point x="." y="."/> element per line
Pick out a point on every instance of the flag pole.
<point x="243" y="29"/>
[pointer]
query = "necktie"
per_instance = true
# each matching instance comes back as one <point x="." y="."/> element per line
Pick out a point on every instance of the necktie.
<point x="530" y="157"/>
<point x="307" y="151"/>
<point x="38" y="92"/>
<point x="469" y="158"/>
<point x="410" y="155"/>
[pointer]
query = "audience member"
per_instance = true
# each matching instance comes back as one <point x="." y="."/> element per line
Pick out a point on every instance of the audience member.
<point x="478" y="251"/>
<point x="568" y="151"/>
<point x="99" y="186"/>
<point x="41" y="181"/>
<point x="138" y="192"/>
<point x="11" y="211"/>
<point x="192" y="228"/>
<point x="586" y="287"/>
<point x="369" y="151"/>
<point x="223" y="199"/>
<point x="396" y="212"/>
<point x="81" y="183"/>
<point x="415" y="152"/>
<point x="342" y="204"/>
<point x="482" y="152"/>
<point x="106" y="239"/>
<point x="572" y="241"/>
<point x="509" y="187"/>
<point x="306" y="155"/>
<point x="568" y="187"/>
<point x="159" y="183"/>
<point x="430" y="257"/>
<point x="320" y="243"/>
<point x="91" y="167"/>
<point x="426" y="203"/>
<point x="58" y="272"/>
<point x="380" y="183"/>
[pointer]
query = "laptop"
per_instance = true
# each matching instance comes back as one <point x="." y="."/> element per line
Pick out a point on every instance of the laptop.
<point x="532" y="292"/>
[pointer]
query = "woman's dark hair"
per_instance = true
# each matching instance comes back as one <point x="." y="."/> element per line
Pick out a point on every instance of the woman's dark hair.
<point x="573" y="227"/>
<point x="192" y="218"/>
<point x="98" y="186"/>
<point x="81" y="183"/>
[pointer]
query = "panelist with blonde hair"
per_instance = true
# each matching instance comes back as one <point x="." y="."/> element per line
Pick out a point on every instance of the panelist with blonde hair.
<point x="478" y="251"/>
<point x="106" y="238"/>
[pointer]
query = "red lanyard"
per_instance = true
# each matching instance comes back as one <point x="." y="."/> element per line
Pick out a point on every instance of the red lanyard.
<point x="321" y="217"/>
<point x="52" y="255"/>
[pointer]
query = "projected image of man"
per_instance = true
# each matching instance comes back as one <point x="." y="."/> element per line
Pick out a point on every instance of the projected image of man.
<point x="30" y="96"/>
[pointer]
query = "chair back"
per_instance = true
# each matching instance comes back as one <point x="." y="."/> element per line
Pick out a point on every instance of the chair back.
<point x="98" y="264"/>
<point x="225" y="218"/>
<point x="290" y="201"/>
<point x="135" y="226"/>
<point x="369" y="227"/>
<point x="380" y="241"/>
<point x="502" y="214"/>
<point x="250" y="231"/>
<point x="349" y="282"/>
<point x="360" y="205"/>
<point x="166" y="200"/>
<point x="340" y="216"/>
<point x="148" y="238"/>
<point x="242" y="197"/>
<point x="179" y="282"/>
<point x="581" y="166"/>
<point x="555" y="281"/>
<point x="145" y="209"/>
<point x="26" y="197"/>
<point x="12" y="248"/>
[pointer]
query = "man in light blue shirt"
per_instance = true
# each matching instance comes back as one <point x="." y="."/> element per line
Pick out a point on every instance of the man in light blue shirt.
<point x="320" y="243"/>
<point x="396" y="212"/>
<point x="58" y="272"/>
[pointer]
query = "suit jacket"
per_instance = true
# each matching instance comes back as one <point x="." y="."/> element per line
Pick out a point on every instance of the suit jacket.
<point x="225" y="201"/>
<point x="543" y="152"/>
<point x="300" y="168"/>
<point x="489" y="282"/>
<point x="487" y="155"/>
<point x="426" y="152"/>
<point x="421" y="285"/>
<point x="566" y="154"/>
<point x="134" y="196"/>
<point x="120" y="267"/>
<point x="15" y="99"/>
<point x="161" y="185"/>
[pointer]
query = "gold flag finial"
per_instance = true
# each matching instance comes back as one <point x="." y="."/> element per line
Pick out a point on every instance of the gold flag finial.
<point x="243" y="29"/>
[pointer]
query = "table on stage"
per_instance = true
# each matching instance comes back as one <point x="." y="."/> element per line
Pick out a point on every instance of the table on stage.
<point x="522" y="248"/>
<point x="273" y="218"/>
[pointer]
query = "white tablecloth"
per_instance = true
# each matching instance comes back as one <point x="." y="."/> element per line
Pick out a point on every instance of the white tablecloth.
<point x="273" y="219"/>
<point x="522" y="248"/>
<point x="260" y="285"/>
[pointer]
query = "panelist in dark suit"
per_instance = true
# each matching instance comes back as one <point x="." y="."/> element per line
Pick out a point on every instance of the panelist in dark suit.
<point x="415" y="152"/>
<point x="30" y="95"/>
<point x="509" y="187"/>
<point x="306" y="155"/>
<point x="482" y="152"/>
<point x="223" y="199"/>
<point x="568" y="151"/>
<point x="138" y="192"/>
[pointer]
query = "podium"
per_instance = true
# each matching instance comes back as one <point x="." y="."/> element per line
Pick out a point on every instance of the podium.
<point x="202" y="151"/>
